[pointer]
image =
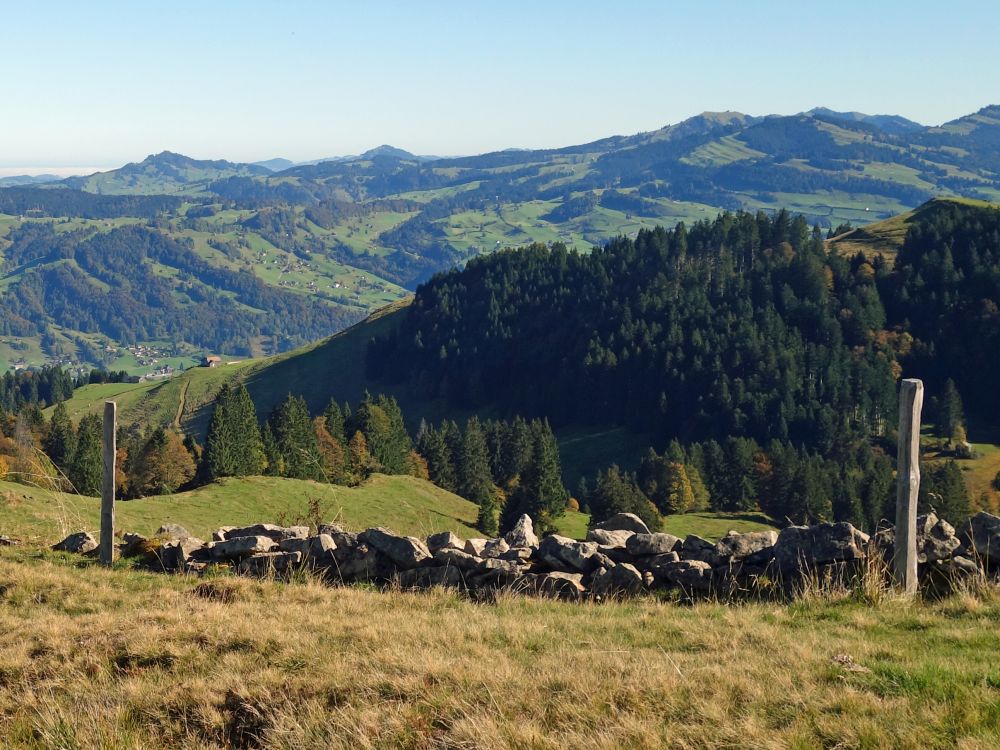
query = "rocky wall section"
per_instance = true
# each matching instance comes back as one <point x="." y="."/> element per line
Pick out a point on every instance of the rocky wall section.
<point x="620" y="557"/>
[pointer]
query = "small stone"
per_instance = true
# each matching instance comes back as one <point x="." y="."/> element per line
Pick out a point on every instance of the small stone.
<point x="523" y="533"/>
<point x="617" y="539"/>
<point x="444" y="540"/>
<point x="172" y="531"/>
<point x="80" y="543"/>
<point x="219" y="535"/>
<point x="495" y="547"/>
<point x="475" y="546"/>
<point x="624" y="522"/>
<point x="457" y="559"/>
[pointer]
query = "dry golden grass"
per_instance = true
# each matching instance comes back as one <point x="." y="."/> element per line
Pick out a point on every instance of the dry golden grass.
<point x="121" y="659"/>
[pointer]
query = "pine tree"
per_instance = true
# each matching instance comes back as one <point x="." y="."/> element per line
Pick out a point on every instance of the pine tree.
<point x="86" y="469"/>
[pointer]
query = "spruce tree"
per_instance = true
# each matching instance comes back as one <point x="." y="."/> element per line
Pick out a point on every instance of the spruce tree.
<point x="540" y="494"/>
<point x="60" y="442"/>
<point x="475" y="481"/>
<point x="334" y="416"/>
<point x="951" y="415"/>
<point x="87" y="466"/>
<point x="431" y="445"/>
<point x="275" y="463"/>
<point x="234" y="447"/>
<point x="295" y="439"/>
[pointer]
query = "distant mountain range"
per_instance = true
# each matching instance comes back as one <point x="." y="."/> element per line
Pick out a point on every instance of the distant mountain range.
<point x="354" y="232"/>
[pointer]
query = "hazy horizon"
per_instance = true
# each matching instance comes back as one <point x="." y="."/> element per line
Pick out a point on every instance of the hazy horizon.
<point x="109" y="82"/>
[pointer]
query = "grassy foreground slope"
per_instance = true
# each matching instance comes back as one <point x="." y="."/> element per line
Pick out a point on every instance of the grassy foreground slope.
<point x="123" y="659"/>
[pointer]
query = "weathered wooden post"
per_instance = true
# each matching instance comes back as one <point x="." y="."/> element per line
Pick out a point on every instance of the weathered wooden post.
<point x="107" y="548"/>
<point x="904" y="558"/>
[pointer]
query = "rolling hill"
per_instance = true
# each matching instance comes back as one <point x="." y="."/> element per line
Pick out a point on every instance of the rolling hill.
<point x="348" y="235"/>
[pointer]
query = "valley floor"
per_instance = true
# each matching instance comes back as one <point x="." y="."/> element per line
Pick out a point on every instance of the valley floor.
<point x="123" y="659"/>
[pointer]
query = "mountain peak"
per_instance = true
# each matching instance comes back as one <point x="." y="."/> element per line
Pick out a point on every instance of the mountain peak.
<point x="387" y="150"/>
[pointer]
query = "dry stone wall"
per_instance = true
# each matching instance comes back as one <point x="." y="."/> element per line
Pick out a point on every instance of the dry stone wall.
<point x="620" y="557"/>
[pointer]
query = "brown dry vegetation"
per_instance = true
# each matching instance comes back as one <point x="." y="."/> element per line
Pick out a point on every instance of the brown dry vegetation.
<point x="124" y="659"/>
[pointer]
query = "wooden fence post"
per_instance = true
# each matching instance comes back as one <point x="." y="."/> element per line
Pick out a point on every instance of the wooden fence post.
<point x="107" y="548"/>
<point x="904" y="558"/>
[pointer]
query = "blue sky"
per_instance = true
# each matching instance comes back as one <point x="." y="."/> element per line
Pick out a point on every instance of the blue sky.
<point x="102" y="83"/>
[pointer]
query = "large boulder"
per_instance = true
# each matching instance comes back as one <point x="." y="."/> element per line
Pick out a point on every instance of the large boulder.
<point x="805" y="547"/>
<point x="624" y="522"/>
<point x="176" y="554"/>
<point x="689" y="575"/>
<point x="569" y="555"/>
<point x="522" y="534"/>
<point x="641" y="545"/>
<point x="360" y="564"/>
<point x="616" y="539"/>
<point x="621" y="579"/>
<point x="936" y="539"/>
<point x="444" y="540"/>
<point x="980" y="537"/>
<point x="556" y="585"/>
<point x="734" y="547"/>
<point x="271" y="531"/>
<point x="406" y="552"/>
<point x="242" y="546"/>
<point x="698" y="548"/>
<point x="80" y="543"/>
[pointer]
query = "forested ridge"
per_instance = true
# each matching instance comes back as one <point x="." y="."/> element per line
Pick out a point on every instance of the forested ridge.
<point x="193" y="301"/>
<point x="763" y="365"/>
<point x="743" y="326"/>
